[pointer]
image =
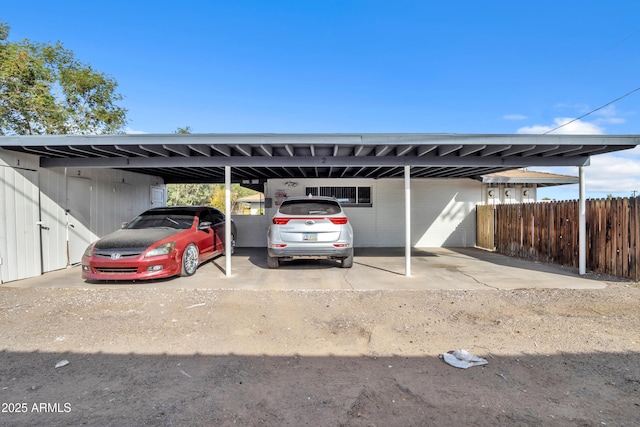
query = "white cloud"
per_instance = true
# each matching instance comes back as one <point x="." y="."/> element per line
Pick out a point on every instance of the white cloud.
<point x="514" y="117"/>
<point x="130" y="131"/>
<point x="577" y="127"/>
<point x="615" y="173"/>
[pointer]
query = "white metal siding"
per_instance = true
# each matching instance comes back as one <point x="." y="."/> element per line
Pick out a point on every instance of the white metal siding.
<point x="19" y="214"/>
<point x="115" y="196"/>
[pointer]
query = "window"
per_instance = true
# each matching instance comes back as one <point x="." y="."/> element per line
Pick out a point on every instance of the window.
<point x="347" y="196"/>
<point x="205" y="216"/>
<point x="304" y="207"/>
<point x="218" y="217"/>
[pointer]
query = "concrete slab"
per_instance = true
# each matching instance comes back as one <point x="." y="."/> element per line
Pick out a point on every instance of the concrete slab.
<point x="373" y="269"/>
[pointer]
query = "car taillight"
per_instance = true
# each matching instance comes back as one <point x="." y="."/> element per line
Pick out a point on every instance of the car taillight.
<point x="280" y="221"/>
<point x="339" y="220"/>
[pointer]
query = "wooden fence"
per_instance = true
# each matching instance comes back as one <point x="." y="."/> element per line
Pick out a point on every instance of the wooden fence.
<point x="548" y="232"/>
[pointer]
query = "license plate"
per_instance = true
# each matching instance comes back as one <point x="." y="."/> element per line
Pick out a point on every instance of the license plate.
<point x="309" y="237"/>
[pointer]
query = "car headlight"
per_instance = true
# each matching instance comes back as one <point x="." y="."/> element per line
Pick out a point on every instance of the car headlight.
<point x="165" y="249"/>
<point x="89" y="251"/>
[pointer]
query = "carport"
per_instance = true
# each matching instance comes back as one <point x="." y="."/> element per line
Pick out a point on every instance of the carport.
<point x="251" y="159"/>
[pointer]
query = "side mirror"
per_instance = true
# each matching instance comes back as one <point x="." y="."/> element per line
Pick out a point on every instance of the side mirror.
<point x="124" y="225"/>
<point x="204" y="225"/>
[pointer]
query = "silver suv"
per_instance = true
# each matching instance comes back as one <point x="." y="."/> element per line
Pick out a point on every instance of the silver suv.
<point x="310" y="227"/>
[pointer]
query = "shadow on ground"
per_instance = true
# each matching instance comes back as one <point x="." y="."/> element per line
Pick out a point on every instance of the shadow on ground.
<point x="135" y="389"/>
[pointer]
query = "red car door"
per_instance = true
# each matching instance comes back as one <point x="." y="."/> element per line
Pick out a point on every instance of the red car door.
<point x="205" y="236"/>
<point x="218" y="227"/>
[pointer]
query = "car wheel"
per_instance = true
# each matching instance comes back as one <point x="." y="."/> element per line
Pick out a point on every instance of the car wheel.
<point x="273" y="262"/>
<point x="189" y="260"/>
<point x="233" y="246"/>
<point x="348" y="261"/>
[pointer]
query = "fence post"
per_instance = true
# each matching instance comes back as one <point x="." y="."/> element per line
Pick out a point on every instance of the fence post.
<point x="582" y="232"/>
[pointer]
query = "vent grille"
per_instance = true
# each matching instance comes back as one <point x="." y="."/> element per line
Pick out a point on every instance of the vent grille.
<point x="116" y="270"/>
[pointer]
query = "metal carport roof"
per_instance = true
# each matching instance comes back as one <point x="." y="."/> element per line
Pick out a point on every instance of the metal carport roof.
<point x="251" y="159"/>
<point x="200" y="158"/>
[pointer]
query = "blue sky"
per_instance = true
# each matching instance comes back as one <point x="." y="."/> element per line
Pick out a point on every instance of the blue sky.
<point x="493" y="67"/>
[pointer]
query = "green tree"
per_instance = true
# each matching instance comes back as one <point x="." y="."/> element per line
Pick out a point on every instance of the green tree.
<point x="44" y="89"/>
<point x="189" y="194"/>
<point x="217" y="199"/>
<point x="183" y="131"/>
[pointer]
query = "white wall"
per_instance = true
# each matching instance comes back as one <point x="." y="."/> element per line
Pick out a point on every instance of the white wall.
<point x="442" y="210"/>
<point x="252" y="230"/>
<point x="72" y="218"/>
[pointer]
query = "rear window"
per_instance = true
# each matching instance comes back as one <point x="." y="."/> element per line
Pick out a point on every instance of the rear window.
<point x="181" y="220"/>
<point x="309" y="207"/>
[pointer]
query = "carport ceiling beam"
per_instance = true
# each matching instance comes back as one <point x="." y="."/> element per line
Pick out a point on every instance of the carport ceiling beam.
<point x="132" y="149"/>
<point x="205" y="150"/>
<point x="222" y="149"/>
<point x="445" y="150"/>
<point x="107" y="149"/>
<point x="312" y="162"/>
<point x="266" y="149"/>
<point x="156" y="149"/>
<point x="182" y="150"/>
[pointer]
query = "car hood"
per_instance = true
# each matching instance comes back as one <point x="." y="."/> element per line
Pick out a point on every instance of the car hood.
<point x="142" y="238"/>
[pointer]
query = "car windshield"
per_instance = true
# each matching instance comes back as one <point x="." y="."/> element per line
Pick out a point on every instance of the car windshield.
<point x="178" y="220"/>
<point x="309" y="207"/>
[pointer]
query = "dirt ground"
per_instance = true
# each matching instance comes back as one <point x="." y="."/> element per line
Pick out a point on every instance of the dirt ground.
<point x="320" y="358"/>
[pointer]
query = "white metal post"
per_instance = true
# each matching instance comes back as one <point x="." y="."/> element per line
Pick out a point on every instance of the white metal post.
<point x="407" y="220"/>
<point x="582" y="233"/>
<point x="227" y="219"/>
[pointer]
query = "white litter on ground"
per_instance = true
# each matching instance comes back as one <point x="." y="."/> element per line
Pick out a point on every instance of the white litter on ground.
<point x="62" y="363"/>
<point x="462" y="359"/>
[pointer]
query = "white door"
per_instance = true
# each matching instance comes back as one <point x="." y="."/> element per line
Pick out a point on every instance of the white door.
<point x="157" y="196"/>
<point x="78" y="218"/>
<point x="20" y="255"/>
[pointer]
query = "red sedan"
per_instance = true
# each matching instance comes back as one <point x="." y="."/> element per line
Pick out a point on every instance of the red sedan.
<point x="159" y="243"/>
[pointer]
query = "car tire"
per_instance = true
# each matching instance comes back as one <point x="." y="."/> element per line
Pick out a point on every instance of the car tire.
<point x="273" y="262"/>
<point x="348" y="261"/>
<point x="189" y="260"/>
<point x="233" y="246"/>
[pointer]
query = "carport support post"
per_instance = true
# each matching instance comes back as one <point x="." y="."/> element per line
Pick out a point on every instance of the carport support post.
<point x="582" y="224"/>
<point x="227" y="219"/>
<point x="407" y="220"/>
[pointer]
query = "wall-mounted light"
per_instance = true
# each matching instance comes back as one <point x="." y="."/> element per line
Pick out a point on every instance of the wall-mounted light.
<point x="525" y="193"/>
<point x="507" y="193"/>
<point x="490" y="193"/>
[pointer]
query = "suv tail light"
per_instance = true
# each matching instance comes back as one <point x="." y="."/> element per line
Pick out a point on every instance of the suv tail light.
<point x="283" y="221"/>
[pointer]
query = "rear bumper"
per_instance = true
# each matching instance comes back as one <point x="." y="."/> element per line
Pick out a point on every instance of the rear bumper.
<point x="310" y="250"/>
